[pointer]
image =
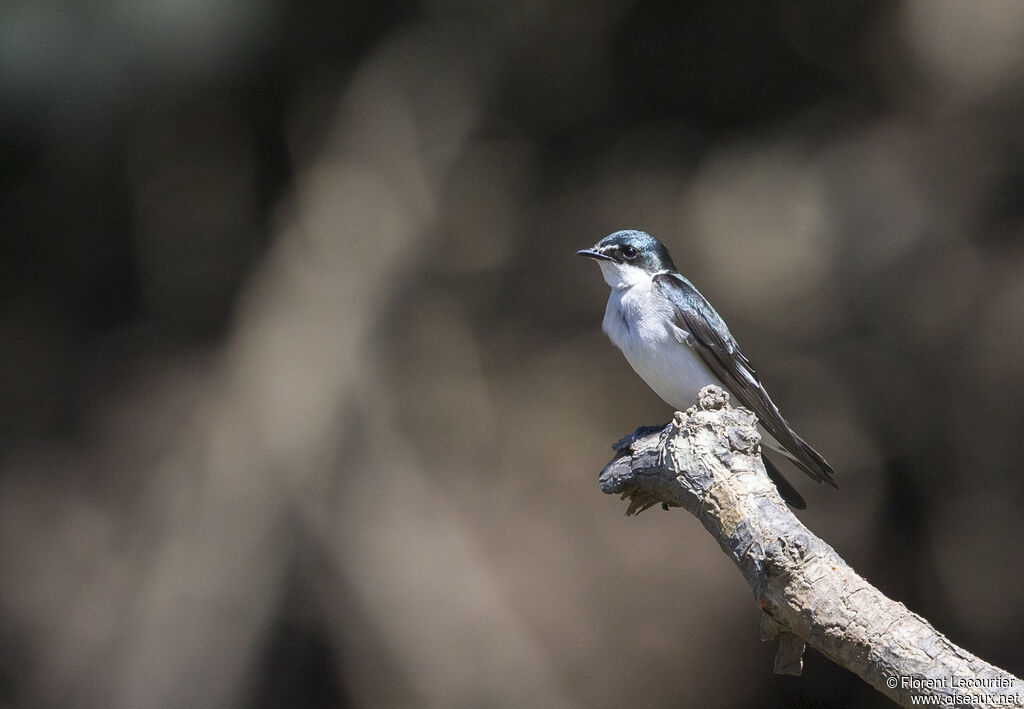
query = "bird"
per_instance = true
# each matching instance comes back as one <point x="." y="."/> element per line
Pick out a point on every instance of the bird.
<point x="678" y="343"/>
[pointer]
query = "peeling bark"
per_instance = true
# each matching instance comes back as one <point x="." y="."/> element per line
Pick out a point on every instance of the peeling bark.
<point x="708" y="461"/>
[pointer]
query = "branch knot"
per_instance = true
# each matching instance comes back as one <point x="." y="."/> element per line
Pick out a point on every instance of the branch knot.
<point x="712" y="398"/>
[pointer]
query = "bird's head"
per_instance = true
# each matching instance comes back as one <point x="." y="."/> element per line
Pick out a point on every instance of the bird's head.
<point x="629" y="257"/>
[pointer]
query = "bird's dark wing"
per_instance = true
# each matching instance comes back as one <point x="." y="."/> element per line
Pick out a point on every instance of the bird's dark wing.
<point x="704" y="330"/>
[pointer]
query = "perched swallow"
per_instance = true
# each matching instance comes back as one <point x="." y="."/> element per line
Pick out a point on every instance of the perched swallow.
<point x="678" y="344"/>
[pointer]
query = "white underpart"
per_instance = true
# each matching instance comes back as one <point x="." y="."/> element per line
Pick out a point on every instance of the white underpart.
<point x="639" y="320"/>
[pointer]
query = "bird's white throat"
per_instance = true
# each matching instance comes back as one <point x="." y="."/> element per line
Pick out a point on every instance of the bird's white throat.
<point x="623" y="275"/>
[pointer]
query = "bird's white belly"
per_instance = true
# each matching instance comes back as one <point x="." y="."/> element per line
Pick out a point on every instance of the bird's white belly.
<point x="639" y="322"/>
<point x="673" y="370"/>
<point x="678" y="378"/>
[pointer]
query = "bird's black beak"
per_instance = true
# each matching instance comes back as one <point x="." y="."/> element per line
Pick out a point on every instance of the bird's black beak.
<point x="595" y="254"/>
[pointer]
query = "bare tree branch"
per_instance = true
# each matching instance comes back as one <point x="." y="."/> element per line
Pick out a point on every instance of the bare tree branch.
<point x="708" y="461"/>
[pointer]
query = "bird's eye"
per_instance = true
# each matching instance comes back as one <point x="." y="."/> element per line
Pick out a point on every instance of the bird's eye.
<point x="628" y="252"/>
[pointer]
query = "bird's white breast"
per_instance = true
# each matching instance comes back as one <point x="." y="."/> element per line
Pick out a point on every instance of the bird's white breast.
<point x="639" y="320"/>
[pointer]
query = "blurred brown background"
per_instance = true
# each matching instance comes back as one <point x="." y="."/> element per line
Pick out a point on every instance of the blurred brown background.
<point x="305" y="394"/>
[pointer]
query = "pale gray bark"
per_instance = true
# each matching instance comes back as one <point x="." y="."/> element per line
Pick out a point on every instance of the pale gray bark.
<point x="708" y="461"/>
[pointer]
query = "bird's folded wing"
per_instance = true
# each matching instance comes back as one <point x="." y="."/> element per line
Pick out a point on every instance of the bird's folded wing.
<point x="704" y="330"/>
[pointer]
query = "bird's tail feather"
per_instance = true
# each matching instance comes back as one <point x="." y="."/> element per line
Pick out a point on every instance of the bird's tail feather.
<point x="811" y="462"/>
